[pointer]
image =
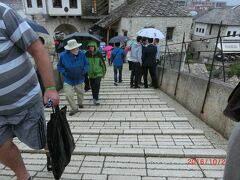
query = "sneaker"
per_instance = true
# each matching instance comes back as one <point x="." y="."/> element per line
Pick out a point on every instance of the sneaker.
<point x="80" y="106"/>
<point x="73" y="112"/>
<point x="115" y="84"/>
<point x="96" y="102"/>
<point x="49" y="163"/>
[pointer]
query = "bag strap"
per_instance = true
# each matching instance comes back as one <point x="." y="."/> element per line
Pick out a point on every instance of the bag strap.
<point x="115" y="55"/>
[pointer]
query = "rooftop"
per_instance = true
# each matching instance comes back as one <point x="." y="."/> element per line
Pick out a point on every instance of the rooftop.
<point x="143" y="8"/>
<point x="228" y="16"/>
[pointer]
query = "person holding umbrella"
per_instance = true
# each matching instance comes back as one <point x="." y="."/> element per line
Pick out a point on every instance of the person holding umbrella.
<point x="108" y="49"/>
<point x="117" y="58"/>
<point x="97" y="69"/>
<point x="73" y="66"/>
<point x="149" y="63"/>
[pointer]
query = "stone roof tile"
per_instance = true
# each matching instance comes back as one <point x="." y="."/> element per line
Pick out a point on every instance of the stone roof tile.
<point x="228" y="16"/>
<point x="143" y="8"/>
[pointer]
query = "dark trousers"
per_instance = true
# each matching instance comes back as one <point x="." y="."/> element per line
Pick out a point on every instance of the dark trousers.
<point x="95" y="86"/>
<point x="130" y="65"/>
<point x="152" y="71"/>
<point x="86" y="82"/>
<point x="134" y="79"/>
<point x="117" y="70"/>
<point x="140" y="75"/>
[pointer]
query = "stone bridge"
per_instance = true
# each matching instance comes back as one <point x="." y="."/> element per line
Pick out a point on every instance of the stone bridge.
<point x="135" y="134"/>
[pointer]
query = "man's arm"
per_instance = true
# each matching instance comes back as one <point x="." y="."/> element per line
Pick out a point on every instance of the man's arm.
<point x="38" y="52"/>
<point x="139" y="57"/>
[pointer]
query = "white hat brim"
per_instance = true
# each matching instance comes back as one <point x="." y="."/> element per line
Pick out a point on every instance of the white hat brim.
<point x="70" y="48"/>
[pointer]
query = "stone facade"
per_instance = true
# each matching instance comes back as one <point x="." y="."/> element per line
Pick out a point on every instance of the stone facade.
<point x="207" y="45"/>
<point x="180" y="24"/>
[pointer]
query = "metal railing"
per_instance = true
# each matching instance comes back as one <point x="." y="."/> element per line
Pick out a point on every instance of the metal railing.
<point x="221" y="64"/>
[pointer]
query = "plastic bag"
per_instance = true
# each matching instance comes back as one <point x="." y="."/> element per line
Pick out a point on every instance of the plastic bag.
<point x="60" y="141"/>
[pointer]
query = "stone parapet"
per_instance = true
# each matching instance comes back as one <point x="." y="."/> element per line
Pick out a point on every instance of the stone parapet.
<point x="190" y="93"/>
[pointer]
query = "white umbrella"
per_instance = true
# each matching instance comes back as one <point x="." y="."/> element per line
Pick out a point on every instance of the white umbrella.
<point x="151" y="33"/>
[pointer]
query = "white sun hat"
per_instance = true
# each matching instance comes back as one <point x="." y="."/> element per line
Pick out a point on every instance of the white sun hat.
<point x="72" y="44"/>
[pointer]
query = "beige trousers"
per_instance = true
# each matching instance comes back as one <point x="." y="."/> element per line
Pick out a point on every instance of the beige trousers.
<point x="70" y="92"/>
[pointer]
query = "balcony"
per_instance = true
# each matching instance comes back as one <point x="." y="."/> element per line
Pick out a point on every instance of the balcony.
<point x="64" y="8"/>
<point x="53" y="7"/>
<point x="35" y="7"/>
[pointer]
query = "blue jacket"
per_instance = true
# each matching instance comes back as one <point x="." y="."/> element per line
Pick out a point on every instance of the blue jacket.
<point x="118" y="56"/>
<point x="73" y="68"/>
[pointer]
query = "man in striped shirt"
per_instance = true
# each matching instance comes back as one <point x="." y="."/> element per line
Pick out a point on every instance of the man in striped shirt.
<point x="21" y="109"/>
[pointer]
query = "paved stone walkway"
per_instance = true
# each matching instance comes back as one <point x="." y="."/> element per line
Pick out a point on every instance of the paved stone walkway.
<point x="135" y="134"/>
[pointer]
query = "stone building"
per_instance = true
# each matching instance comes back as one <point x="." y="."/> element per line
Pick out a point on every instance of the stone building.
<point x="111" y="17"/>
<point x="207" y="26"/>
<point x="69" y="15"/>
<point x="201" y="5"/>
<point x="134" y="15"/>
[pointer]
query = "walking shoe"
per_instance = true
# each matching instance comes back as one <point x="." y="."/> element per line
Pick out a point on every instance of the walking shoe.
<point x="80" y="106"/>
<point x="96" y="102"/>
<point x="49" y="163"/>
<point x="137" y="87"/>
<point x="115" y="84"/>
<point x="120" y="81"/>
<point x="73" y="112"/>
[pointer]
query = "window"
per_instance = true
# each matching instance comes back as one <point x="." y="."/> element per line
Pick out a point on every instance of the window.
<point x="29" y="3"/>
<point x="210" y="31"/>
<point x="73" y="4"/>
<point x="94" y="6"/>
<point x="170" y="31"/>
<point x="234" y="33"/>
<point x="57" y="3"/>
<point x="39" y="4"/>
<point x="202" y="30"/>
<point x="197" y="30"/>
<point x="229" y="33"/>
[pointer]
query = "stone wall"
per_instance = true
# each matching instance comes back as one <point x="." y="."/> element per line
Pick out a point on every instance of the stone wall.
<point x="190" y="93"/>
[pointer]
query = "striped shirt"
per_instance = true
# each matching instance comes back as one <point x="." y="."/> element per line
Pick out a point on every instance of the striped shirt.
<point x="19" y="87"/>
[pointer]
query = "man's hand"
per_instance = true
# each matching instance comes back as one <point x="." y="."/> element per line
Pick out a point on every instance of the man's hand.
<point x="53" y="96"/>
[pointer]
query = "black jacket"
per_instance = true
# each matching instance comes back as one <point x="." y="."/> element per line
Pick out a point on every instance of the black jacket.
<point x="149" y="56"/>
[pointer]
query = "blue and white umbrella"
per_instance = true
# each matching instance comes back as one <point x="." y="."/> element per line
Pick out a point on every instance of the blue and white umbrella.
<point x="151" y="33"/>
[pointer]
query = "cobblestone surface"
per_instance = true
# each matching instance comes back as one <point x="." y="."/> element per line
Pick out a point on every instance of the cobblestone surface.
<point x="135" y="134"/>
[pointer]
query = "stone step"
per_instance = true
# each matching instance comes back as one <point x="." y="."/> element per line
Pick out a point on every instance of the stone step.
<point x="142" y="152"/>
<point x="120" y="89"/>
<point x="120" y="119"/>
<point x="109" y="93"/>
<point x="121" y="97"/>
<point x="125" y="87"/>
<point x="139" y="131"/>
<point x="111" y="102"/>
<point x="100" y="109"/>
